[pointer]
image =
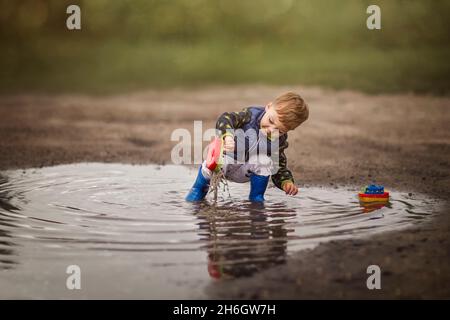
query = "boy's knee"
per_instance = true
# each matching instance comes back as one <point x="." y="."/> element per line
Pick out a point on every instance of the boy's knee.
<point x="262" y="165"/>
<point x="205" y="171"/>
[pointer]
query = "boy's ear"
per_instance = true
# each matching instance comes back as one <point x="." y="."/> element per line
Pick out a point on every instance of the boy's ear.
<point x="268" y="106"/>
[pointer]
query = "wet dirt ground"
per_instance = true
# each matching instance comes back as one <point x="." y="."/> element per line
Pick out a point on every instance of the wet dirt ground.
<point x="401" y="141"/>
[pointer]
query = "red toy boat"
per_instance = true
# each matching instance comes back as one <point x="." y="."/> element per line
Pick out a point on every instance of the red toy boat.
<point x="214" y="156"/>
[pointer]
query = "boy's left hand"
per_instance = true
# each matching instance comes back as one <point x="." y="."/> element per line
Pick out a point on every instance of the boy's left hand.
<point x="290" y="188"/>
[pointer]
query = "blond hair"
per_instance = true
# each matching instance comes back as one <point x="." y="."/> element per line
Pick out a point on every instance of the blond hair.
<point x="292" y="110"/>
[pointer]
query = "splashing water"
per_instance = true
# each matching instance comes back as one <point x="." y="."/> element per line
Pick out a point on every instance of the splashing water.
<point x="218" y="179"/>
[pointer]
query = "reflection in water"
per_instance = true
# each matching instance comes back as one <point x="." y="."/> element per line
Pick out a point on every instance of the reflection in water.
<point x="133" y="234"/>
<point x="372" y="206"/>
<point x="243" y="240"/>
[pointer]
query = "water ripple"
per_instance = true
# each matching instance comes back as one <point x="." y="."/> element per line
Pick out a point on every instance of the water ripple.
<point x="135" y="217"/>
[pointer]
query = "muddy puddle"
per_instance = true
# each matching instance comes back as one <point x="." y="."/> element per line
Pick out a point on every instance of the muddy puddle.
<point x="132" y="235"/>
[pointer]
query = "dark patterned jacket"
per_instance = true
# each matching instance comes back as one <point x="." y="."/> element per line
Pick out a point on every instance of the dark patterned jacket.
<point x="250" y="118"/>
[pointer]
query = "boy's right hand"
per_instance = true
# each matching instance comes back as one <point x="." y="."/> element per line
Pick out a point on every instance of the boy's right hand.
<point x="290" y="188"/>
<point x="228" y="144"/>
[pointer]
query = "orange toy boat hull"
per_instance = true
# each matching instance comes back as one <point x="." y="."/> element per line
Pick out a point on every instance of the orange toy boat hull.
<point x="382" y="197"/>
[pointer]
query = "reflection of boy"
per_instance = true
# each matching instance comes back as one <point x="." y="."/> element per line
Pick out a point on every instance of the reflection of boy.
<point x="271" y="123"/>
<point x="258" y="243"/>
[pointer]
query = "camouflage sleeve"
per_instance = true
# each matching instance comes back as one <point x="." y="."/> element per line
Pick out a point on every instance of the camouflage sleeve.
<point x="229" y="121"/>
<point x="283" y="174"/>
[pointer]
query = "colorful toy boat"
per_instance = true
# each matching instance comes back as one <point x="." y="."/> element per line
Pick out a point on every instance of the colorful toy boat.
<point x="373" y="193"/>
<point x="214" y="156"/>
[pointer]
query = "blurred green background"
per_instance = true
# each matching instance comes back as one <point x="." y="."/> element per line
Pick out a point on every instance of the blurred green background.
<point x="134" y="44"/>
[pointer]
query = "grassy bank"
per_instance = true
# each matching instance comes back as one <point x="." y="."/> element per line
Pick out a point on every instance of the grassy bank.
<point x="117" y="66"/>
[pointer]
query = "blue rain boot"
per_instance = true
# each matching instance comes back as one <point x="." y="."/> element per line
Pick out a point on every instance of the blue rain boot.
<point x="258" y="185"/>
<point x="199" y="189"/>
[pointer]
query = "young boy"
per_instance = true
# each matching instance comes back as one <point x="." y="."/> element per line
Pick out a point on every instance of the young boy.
<point x="254" y="141"/>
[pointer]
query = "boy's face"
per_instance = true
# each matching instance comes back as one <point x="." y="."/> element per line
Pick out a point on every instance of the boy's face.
<point x="270" y="123"/>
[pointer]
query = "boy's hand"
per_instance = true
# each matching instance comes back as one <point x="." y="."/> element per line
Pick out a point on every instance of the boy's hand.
<point x="290" y="188"/>
<point x="228" y="144"/>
